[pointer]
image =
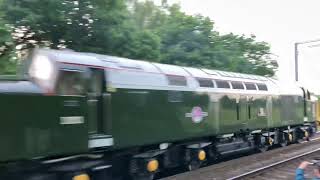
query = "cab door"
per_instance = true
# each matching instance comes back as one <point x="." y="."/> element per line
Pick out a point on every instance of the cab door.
<point x="71" y="135"/>
<point x="95" y="101"/>
<point x="98" y="103"/>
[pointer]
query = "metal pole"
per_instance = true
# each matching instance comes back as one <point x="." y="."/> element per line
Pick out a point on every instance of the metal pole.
<point x="296" y="54"/>
<point x="310" y="41"/>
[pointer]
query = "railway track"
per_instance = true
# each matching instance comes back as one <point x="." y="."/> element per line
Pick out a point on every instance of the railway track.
<point x="284" y="169"/>
<point x="279" y="163"/>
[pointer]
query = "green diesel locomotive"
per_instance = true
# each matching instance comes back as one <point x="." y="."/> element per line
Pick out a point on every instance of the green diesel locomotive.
<point x="85" y="116"/>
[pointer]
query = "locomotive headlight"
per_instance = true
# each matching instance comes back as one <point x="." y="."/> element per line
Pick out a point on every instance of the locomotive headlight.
<point x="41" y="68"/>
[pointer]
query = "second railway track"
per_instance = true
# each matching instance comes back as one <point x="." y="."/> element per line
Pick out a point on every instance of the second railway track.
<point x="284" y="169"/>
<point x="279" y="163"/>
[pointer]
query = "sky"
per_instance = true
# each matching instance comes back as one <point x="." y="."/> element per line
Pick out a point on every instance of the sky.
<point x="281" y="23"/>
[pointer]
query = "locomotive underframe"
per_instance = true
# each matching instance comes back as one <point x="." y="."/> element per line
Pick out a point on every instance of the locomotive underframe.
<point x="184" y="153"/>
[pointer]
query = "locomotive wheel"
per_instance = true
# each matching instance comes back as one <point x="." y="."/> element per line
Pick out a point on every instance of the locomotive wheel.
<point x="297" y="136"/>
<point x="284" y="140"/>
<point x="144" y="176"/>
<point x="263" y="148"/>
<point x="213" y="156"/>
<point x="307" y="135"/>
<point x="310" y="131"/>
<point x="193" y="165"/>
<point x="197" y="159"/>
<point x="262" y="145"/>
<point x="284" y="143"/>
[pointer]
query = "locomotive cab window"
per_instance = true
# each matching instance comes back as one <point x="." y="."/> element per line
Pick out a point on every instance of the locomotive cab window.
<point x="237" y="85"/>
<point x="205" y="82"/>
<point x="222" y="84"/>
<point x="96" y="82"/>
<point x="71" y="82"/>
<point x="262" y="87"/>
<point x="177" y="80"/>
<point x="250" y="86"/>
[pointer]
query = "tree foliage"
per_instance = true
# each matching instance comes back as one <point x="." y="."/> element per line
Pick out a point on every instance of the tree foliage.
<point x="7" y="48"/>
<point x="192" y="41"/>
<point x="128" y="28"/>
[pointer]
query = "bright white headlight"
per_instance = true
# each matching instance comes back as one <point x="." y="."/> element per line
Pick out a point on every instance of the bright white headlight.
<point x="41" y="68"/>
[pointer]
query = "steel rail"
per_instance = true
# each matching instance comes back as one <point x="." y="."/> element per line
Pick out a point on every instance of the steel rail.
<point x="247" y="174"/>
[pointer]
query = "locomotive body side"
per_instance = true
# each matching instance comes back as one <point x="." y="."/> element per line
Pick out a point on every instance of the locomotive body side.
<point x="291" y="105"/>
<point x="37" y="129"/>
<point x="146" y="117"/>
<point x="161" y="113"/>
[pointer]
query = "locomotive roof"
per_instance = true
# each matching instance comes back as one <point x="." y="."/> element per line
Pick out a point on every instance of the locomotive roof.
<point x="142" y="69"/>
<point x="106" y="61"/>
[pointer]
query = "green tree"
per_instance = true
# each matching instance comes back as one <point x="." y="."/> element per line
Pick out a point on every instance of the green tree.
<point x="101" y="26"/>
<point x="115" y="33"/>
<point x="192" y="41"/>
<point x="128" y="28"/>
<point x="7" y="49"/>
